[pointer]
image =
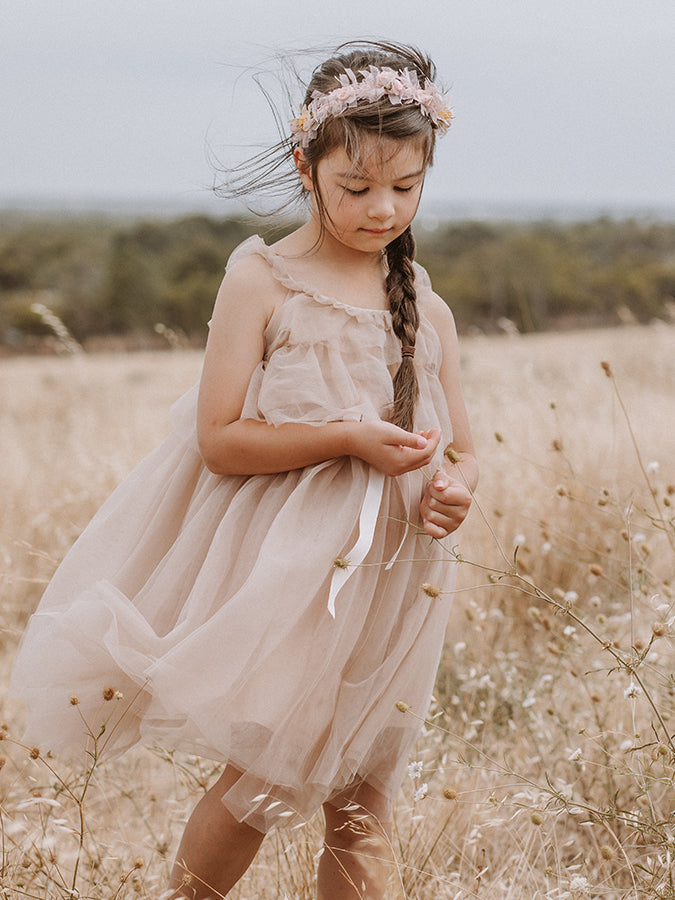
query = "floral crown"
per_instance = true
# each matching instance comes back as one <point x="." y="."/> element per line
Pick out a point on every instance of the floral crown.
<point x="399" y="87"/>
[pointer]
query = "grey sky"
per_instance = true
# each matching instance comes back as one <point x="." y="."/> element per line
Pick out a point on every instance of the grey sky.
<point x="560" y="102"/>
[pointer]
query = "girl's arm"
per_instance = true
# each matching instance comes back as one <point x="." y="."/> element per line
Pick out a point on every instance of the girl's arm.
<point x="447" y="497"/>
<point x="233" y="446"/>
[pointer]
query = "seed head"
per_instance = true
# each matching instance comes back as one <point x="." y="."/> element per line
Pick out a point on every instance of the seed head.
<point x="595" y="569"/>
<point x="659" y="629"/>
<point x="557" y="445"/>
<point x="452" y="455"/>
<point x="498" y="437"/>
<point x="449" y="794"/>
<point x="3" y="761"/>
<point x="74" y="701"/>
<point x="431" y="590"/>
<point x="536" y="818"/>
<point x="341" y="563"/>
<point x="402" y="706"/>
<point x="35" y="753"/>
<point x="607" y="852"/>
<point x="108" y="694"/>
<point x="606" y="368"/>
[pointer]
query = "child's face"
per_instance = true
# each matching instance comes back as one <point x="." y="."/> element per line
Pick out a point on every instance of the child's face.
<point x="371" y="202"/>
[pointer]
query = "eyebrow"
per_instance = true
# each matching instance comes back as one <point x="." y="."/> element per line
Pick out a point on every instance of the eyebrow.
<point x="357" y="177"/>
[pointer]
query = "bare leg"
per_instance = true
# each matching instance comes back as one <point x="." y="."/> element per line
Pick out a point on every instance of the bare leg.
<point x="215" y="850"/>
<point x="357" y="862"/>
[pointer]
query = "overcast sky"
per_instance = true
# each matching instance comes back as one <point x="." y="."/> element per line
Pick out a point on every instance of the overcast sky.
<point x="556" y="101"/>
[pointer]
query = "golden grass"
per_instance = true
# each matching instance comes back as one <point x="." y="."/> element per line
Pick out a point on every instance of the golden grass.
<point x="548" y="753"/>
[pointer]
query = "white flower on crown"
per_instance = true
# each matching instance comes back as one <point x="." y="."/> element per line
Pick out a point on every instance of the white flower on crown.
<point x="400" y="87"/>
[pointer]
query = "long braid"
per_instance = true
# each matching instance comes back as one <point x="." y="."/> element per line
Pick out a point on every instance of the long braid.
<point x="402" y="299"/>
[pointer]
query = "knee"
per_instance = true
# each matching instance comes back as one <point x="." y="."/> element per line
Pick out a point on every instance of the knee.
<point x="353" y="828"/>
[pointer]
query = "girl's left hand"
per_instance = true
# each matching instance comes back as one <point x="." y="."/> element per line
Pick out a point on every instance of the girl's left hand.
<point x="444" y="505"/>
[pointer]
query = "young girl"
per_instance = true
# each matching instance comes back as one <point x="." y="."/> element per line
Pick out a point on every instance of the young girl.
<point x="264" y="588"/>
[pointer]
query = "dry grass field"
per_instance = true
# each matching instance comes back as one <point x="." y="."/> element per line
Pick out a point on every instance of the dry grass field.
<point x="547" y="758"/>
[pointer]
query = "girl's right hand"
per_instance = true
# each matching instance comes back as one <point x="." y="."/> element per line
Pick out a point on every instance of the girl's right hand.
<point x="391" y="449"/>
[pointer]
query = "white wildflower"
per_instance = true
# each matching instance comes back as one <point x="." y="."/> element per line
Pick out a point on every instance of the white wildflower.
<point x="421" y="792"/>
<point x="528" y="702"/>
<point x="569" y="630"/>
<point x="579" y="884"/>
<point x="571" y="597"/>
<point x="545" y="548"/>
<point x="575" y="756"/>
<point x="632" y="691"/>
<point x="415" y="769"/>
<point x="652" y="467"/>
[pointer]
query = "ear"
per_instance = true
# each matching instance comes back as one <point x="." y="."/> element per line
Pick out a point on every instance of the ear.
<point x="303" y="168"/>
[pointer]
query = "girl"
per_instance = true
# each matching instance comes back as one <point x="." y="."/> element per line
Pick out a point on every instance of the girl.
<point x="263" y="589"/>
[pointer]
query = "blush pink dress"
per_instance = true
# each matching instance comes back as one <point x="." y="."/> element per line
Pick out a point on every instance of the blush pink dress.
<point x="215" y="606"/>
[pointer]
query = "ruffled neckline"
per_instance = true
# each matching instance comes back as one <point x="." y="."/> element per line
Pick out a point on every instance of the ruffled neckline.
<point x="280" y="271"/>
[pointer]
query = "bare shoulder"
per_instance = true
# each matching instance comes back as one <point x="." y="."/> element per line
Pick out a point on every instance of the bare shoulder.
<point x="251" y="280"/>
<point x="440" y="315"/>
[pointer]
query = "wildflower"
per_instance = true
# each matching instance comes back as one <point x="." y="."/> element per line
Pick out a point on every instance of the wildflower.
<point x="545" y="548"/>
<point x="421" y="792"/>
<point x="606" y="368"/>
<point x="341" y="563"/>
<point x="571" y="597"/>
<point x="431" y="590"/>
<point x="632" y="691"/>
<point x="402" y="706"/>
<point x="575" y="756"/>
<point x="595" y="569"/>
<point x="449" y="794"/>
<point x="579" y="883"/>
<point x="659" y="629"/>
<point x="652" y="467"/>
<point x="35" y="753"/>
<point x="108" y="694"/>
<point x="74" y="701"/>
<point x="607" y="852"/>
<point x="415" y="769"/>
<point x="536" y="818"/>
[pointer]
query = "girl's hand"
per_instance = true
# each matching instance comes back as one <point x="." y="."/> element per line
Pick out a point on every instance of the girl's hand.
<point x="391" y="449"/>
<point x="444" y="505"/>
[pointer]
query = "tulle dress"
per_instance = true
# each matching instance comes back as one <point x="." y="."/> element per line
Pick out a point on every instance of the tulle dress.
<point x="270" y="621"/>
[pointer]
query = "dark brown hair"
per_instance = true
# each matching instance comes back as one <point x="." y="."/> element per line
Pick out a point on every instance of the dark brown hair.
<point x="390" y="123"/>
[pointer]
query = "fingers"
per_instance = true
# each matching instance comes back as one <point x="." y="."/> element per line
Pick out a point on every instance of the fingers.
<point x="444" y="505"/>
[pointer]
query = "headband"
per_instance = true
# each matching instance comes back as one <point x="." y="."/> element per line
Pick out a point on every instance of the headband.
<point x="399" y="87"/>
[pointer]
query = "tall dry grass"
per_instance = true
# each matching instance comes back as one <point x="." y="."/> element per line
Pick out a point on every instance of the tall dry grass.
<point x="545" y="766"/>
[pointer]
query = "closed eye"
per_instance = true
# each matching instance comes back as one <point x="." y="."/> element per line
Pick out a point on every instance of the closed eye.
<point x="355" y="193"/>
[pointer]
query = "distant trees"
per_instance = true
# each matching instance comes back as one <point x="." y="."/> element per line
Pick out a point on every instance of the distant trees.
<point x="103" y="277"/>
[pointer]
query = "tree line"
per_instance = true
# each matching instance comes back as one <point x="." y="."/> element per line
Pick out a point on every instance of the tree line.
<point x="104" y="278"/>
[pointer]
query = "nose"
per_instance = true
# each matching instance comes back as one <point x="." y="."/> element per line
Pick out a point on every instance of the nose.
<point x="381" y="207"/>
